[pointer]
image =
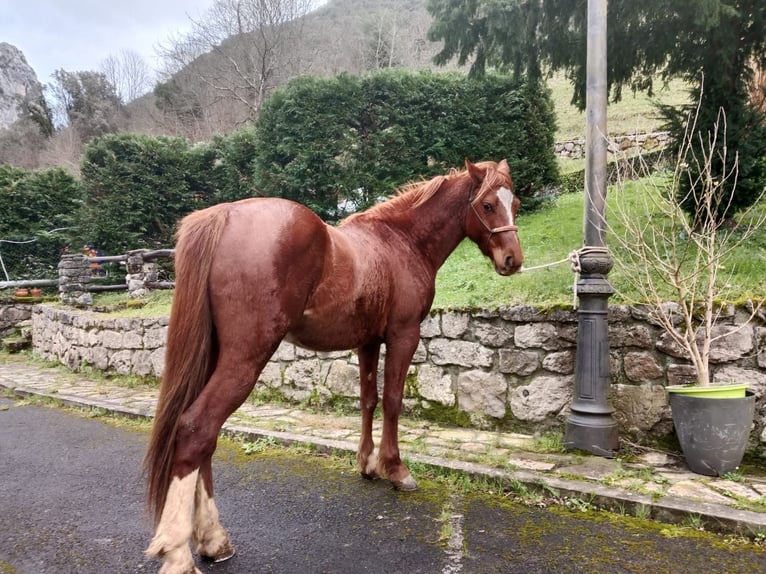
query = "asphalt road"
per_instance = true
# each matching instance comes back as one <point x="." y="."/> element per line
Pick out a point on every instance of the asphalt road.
<point x="71" y="501"/>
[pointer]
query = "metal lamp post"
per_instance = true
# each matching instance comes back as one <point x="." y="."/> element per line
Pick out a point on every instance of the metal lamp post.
<point x="591" y="426"/>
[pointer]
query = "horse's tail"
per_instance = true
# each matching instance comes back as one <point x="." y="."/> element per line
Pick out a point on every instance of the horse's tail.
<point x="190" y="345"/>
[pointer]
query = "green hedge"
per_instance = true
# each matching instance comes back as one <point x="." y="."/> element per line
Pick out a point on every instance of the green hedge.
<point x="39" y="205"/>
<point x="337" y="145"/>
<point x="350" y="140"/>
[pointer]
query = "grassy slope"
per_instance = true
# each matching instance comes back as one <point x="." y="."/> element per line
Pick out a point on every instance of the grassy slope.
<point x="634" y="112"/>
<point x="468" y="280"/>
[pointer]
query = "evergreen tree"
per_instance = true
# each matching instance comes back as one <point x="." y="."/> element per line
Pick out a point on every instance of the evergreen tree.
<point x="716" y="45"/>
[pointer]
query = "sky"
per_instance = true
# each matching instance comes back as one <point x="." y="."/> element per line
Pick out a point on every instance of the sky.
<point x="78" y="35"/>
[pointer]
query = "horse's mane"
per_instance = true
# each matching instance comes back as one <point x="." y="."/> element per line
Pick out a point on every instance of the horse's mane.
<point x="416" y="193"/>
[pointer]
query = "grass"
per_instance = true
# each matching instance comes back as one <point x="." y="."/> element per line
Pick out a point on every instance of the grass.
<point x="467" y="280"/>
<point x="634" y="112"/>
<point x="118" y="304"/>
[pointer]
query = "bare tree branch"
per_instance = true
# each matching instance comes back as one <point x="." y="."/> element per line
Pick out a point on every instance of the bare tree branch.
<point x="666" y="254"/>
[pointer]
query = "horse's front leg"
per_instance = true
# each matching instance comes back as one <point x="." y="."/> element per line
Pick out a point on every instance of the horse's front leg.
<point x="399" y="351"/>
<point x="368" y="395"/>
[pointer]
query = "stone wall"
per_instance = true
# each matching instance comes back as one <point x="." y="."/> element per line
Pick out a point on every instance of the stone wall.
<point x="512" y="368"/>
<point x="12" y="314"/>
<point x="631" y="142"/>
<point x="79" y="338"/>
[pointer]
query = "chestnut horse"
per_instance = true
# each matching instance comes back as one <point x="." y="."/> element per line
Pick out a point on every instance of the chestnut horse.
<point x="255" y="272"/>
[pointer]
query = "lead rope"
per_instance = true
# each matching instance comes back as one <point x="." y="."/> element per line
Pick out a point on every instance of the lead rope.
<point x="574" y="265"/>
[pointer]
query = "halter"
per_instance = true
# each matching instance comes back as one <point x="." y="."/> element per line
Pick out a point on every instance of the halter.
<point x="492" y="230"/>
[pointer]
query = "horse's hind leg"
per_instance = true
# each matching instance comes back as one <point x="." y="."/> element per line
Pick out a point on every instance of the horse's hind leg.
<point x="368" y="394"/>
<point x="171" y="537"/>
<point x="198" y="428"/>
<point x="209" y="537"/>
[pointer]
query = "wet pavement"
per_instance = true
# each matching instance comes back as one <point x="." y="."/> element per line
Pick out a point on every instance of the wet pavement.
<point x="647" y="483"/>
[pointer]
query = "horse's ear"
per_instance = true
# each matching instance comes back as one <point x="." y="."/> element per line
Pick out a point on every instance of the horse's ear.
<point x="476" y="173"/>
<point x="503" y="167"/>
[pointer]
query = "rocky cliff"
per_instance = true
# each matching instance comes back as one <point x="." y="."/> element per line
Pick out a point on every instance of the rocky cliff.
<point x="18" y="82"/>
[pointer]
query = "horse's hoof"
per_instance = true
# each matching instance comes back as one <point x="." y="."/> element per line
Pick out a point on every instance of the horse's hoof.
<point x="226" y="552"/>
<point x="370" y="475"/>
<point x="225" y="556"/>
<point x="407" y="484"/>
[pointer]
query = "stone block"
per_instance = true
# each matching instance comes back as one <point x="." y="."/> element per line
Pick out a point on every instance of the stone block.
<point x="421" y="353"/>
<point x="681" y="374"/>
<point x="482" y="393"/>
<point x="627" y="335"/>
<point x="732" y="374"/>
<point x="155" y="338"/>
<point x="639" y="408"/>
<point x="760" y="341"/>
<point x="518" y="362"/>
<point x="271" y="375"/>
<point x="435" y="384"/>
<point x="462" y="353"/>
<point x="111" y="339"/>
<point x="158" y="361"/>
<point x="542" y="398"/>
<point x="133" y="339"/>
<point x="545" y="336"/>
<point x="285" y="352"/>
<point x="343" y="379"/>
<point x="562" y="362"/>
<point x="492" y="335"/>
<point x="121" y="361"/>
<point x="303" y="373"/>
<point x="455" y="325"/>
<point x="142" y="363"/>
<point x="642" y="367"/>
<point x="430" y="327"/>
<point x="735" y="344"/>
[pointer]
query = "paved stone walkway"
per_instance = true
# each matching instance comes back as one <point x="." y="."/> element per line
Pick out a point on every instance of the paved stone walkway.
<point x="649" y="484"/>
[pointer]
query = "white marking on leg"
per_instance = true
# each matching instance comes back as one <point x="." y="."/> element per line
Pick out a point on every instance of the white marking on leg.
<point x="505" y="196"/>
<point x="171" y="539"/>
<point x="371" y="468"/>
<point x="209" y="536"/>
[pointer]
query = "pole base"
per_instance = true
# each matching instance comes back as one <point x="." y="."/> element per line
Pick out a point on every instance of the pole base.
<point x="596" y="434"/>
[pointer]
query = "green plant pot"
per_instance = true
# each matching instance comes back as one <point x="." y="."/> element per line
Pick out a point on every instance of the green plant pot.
<point x="713" y="432"/>
<point x="717" y="391"/>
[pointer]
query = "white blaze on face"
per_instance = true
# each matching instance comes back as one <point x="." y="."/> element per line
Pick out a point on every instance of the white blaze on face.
<point x="505" y="196"/>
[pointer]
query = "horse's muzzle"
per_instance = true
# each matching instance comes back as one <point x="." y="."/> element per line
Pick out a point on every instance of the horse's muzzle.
<point x="509" y="267"/>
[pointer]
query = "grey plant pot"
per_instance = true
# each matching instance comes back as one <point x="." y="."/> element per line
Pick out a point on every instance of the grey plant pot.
<point x="713" y="433"/>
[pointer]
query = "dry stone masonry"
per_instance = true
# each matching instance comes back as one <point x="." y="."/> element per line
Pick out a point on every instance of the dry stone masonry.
<point x="631" y="142"/>
<point x="74" y="277"/>
<point x="82" y="338"/>
<point x="511" y="368"/>
<point x="12" y="316"/>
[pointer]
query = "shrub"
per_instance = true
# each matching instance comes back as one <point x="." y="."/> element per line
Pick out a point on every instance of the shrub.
<point x="339" y="144"/>
<point x="138" y="186"/>
<point x="40" y="206"/>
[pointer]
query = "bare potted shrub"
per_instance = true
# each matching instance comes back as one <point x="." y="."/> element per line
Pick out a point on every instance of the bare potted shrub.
<point x="677" y="264"/>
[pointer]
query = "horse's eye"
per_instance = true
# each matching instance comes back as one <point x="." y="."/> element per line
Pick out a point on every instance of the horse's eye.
<point x="487" y="208"/>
